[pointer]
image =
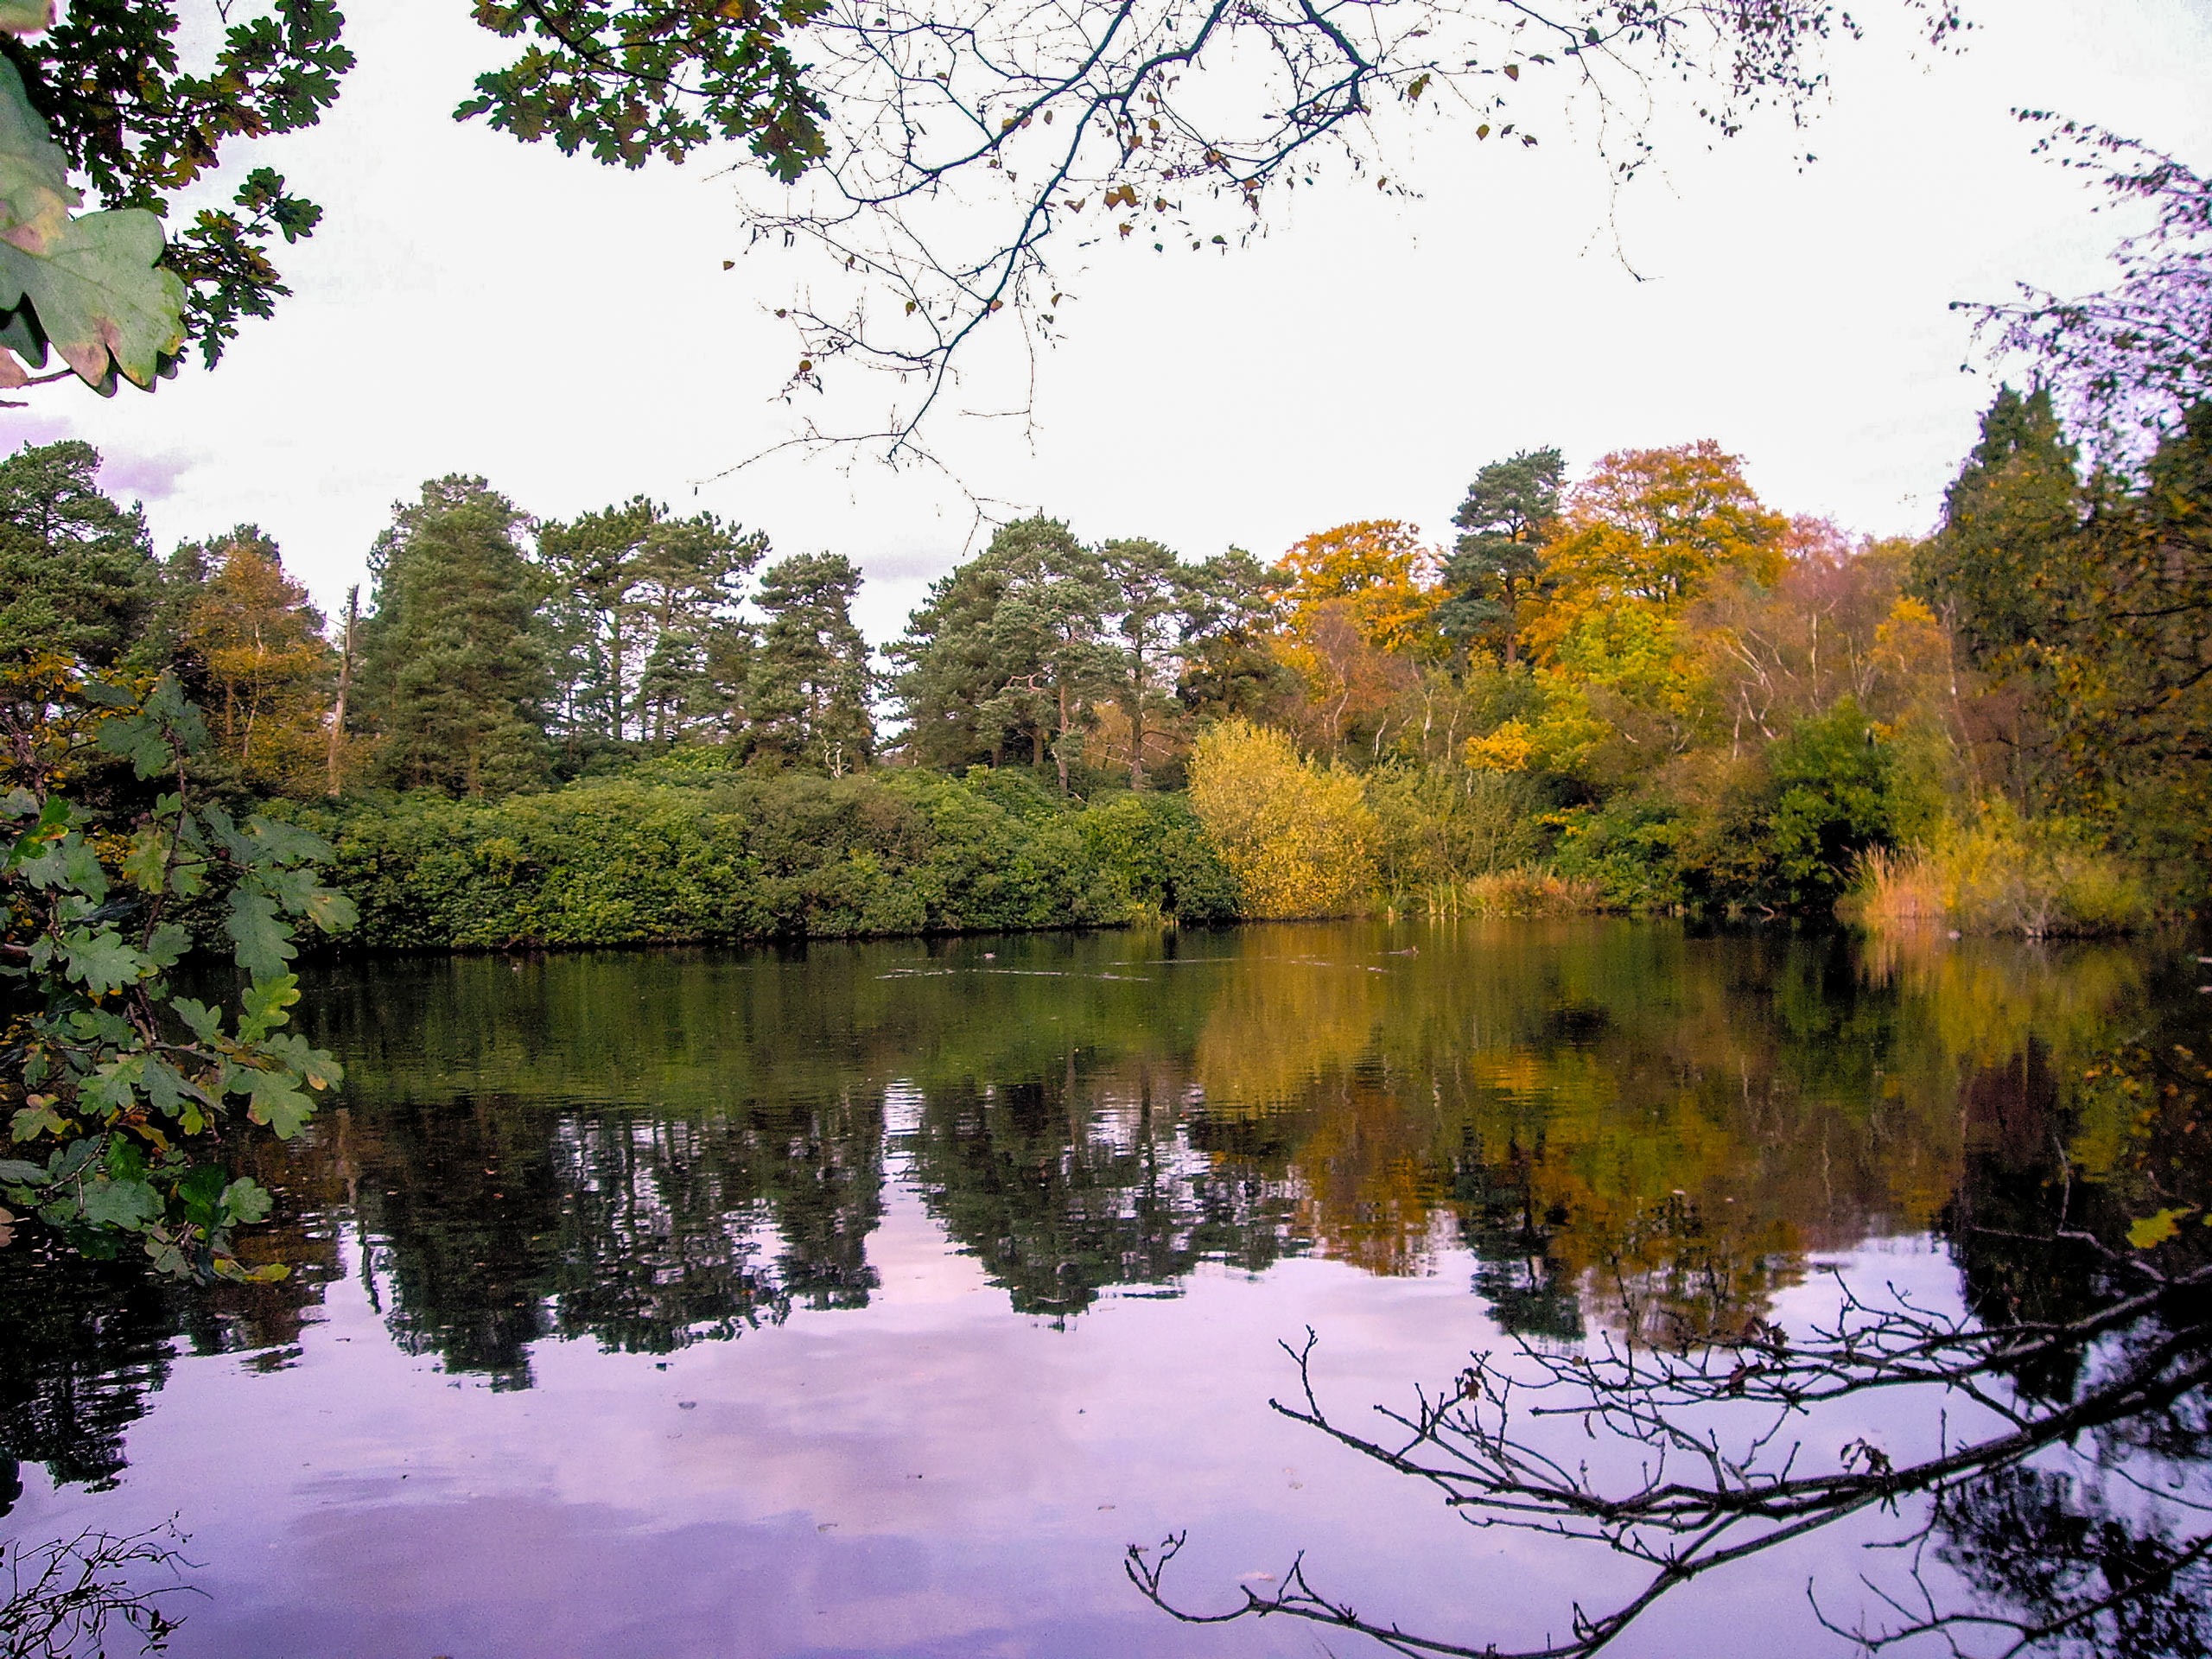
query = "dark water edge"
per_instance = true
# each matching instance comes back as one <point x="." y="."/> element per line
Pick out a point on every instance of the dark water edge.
<point x="628" y="1285"/>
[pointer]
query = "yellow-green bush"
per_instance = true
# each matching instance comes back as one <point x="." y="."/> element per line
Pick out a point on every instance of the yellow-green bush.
<point x="1519" y="894"/>
<point x="1999" y="874"/>
<point x="1300" y="839"/>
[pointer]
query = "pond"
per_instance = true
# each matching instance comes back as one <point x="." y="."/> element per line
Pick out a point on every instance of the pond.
<point x="873" y="1298"/>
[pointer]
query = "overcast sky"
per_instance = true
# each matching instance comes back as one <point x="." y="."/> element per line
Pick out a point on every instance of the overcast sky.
<point x="474" y="305"/>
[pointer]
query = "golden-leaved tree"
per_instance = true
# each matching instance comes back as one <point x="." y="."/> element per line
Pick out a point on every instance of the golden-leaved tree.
<point x="1299" y="837"/>
<point x="1356" y="624"/>
<point x="268" y="672"/>
<point x="1648" y="534"/>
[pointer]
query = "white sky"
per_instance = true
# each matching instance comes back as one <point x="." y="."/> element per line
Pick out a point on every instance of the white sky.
<point x="475" y="305"/>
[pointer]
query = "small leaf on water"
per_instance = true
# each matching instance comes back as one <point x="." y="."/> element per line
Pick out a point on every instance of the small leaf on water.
<point x="2150" y="1231"/>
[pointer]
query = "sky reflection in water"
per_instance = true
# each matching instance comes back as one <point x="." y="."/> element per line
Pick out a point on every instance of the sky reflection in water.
<point x="871" y="1298"/>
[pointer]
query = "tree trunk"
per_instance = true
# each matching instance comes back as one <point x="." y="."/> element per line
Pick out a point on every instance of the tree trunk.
<point x="1061" y="748"/>
<point x="1136" y="724"/>
<point x="345" y="681"/>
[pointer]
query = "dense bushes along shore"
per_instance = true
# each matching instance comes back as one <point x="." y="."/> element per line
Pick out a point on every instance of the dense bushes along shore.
<point x="687" y="849"/>
<point x="741" y="856"/>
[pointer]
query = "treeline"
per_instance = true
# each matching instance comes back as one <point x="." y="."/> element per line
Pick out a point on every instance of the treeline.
<point x="1642" y="688"/>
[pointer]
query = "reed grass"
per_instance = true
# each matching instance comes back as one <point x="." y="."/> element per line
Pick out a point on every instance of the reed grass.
<point x="1999" y="875"/>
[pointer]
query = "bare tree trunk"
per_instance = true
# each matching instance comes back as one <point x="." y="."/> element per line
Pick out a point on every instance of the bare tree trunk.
<point x="1137" y="722"/>
<point x="345" y="681"/>
<point x="1061" y="748"/>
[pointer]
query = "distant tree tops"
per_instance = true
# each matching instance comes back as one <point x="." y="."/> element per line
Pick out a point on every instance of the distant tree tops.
<point x="1043" y="650"/>
<point x="1648" y="645"/>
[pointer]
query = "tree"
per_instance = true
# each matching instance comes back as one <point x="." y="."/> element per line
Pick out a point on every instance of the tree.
<point x="2010" y="521"/>
<point x="641" y="604"/>
<point x="1230" y="666"/>
<point x="1150" y="599"/>
<point x="454" y="681"/>
<point x="1048" y="631"/>
<point x="1009" y="648"/>
<point x="1656" y="528"/>
<point x="689" y="574"/>
<point x="1300" y="839"/>
<point x="1509" y="513"/>
<point x="1357" y="619"/>
<point x="807" y="697"/>
<point x="76" y="577"/>
<point x="2088" y="604"/>
<point x="268" y="670"/>
<point x="1378" y="566"/>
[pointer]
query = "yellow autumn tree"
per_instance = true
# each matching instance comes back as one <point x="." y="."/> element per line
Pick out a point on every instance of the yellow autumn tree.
<point x="1356" y="614"/>
<point x="1380" y="571"/>
<point x="1652" y="528"/>
<point x="268" y="670"/>
<point x="1299" y="837"/>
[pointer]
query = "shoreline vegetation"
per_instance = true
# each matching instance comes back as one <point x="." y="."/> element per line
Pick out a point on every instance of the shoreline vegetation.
<point x="1641" y="689"/>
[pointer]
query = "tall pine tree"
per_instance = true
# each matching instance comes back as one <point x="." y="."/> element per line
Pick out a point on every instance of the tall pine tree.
<point x="808" y="692"/>
<point x="77" y="576"/>
<point x="1509" y="510"/>
<point x="453" y="679"/>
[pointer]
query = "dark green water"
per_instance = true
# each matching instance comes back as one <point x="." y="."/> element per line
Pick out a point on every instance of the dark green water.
<point x="870" y="1298"/>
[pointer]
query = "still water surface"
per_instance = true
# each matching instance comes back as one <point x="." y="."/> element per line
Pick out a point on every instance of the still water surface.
<point x="870" y="1298"/>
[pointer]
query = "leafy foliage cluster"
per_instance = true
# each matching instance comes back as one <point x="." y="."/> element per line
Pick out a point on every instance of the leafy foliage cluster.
<point x="742" y="855"/>
<point x="123" y="1093"/>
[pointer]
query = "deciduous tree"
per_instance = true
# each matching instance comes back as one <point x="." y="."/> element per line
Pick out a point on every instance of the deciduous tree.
<point x="268" y="670"/>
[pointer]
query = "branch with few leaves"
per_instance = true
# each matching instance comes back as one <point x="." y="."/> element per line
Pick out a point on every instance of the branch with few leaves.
<point x="1726" y="1467"/>
<point x="932" y="156"/>
<point x="2128" y="361"/>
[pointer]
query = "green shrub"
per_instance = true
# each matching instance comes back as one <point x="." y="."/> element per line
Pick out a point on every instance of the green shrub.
<point x="1157" y="855"/>
<point x="1624" y="848"/>
<point x="744" y="855"/>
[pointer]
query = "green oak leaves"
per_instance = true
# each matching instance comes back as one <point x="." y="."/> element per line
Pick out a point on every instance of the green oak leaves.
<point x="89" y="288"/>
<point x="124" y="1101"/>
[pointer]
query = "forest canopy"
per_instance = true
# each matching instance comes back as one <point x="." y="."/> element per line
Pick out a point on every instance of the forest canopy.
<point x="1632" y="684"/>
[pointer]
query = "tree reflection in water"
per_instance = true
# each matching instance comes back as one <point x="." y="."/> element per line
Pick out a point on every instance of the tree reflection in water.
<point x="1646" y="1139"/>
<point x="2045" y="1453"/>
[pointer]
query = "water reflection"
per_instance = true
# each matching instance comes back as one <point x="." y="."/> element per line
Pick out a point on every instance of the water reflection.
<point x="1632" y="1128"/>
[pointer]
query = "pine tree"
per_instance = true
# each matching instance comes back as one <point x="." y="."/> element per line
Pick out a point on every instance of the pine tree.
<point x="1009" y="652"/>
<point x="452" y="676"/>
<point x="1150" y="598"/>
<point x="1509" y="510"/>
<point x="808" y="693"/>
<point x="1047" y="637"/>
<point x="1996" y="569"/>
<point x="77" y="574"/>
<point x="1230" y="667"/>
<point x="643" y="611"/>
